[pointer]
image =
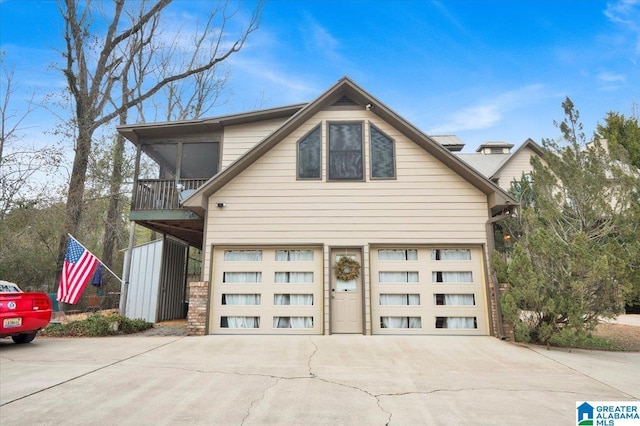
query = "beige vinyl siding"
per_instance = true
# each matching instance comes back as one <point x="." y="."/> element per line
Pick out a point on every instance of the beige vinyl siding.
<point x="239" y="139"/>
<point x="265" y="204"/>
<point x="518" y="164"/>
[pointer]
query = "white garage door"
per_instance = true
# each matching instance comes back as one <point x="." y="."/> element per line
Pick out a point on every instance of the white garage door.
<point x="428" y="290"/>
<point x="266" y="290"/>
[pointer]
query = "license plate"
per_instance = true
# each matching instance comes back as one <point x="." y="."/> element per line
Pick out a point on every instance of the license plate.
<point x="12" y="322"/>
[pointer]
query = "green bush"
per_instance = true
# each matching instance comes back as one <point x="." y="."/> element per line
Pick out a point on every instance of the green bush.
<point x="97" y="325"/>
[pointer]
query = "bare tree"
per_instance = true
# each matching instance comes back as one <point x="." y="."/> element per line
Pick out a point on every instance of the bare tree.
<point x="97" y="65"/>
<point x="19" y="161"/>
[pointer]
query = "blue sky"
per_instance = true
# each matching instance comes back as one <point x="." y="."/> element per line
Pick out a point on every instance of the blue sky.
<point x="483" y="70"/>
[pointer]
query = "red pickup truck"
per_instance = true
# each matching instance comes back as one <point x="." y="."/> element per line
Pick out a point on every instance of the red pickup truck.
<point x="22" y="314"/>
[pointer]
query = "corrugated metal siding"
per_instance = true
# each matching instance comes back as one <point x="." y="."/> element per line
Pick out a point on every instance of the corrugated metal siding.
<point x="142" y="296"/>
<point x="172" y="281"/>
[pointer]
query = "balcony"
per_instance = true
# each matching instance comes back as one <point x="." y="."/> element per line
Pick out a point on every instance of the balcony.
<point x="163" y="194"/>
<point x="157" y="205"/>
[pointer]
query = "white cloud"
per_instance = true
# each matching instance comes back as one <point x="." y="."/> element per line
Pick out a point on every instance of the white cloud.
<point x="470" y="118"/>
<point x="282" y="80"/>
<point x="449" y="16"/>
<point x="610" y="81"/>
<point x="626" y="13"/>
<point x="609" y="77"/>
<point x="320" y="41"/>
<point x="489" y="113"/>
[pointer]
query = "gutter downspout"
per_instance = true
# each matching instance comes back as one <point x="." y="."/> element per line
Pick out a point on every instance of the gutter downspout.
<point x="493" y="275"/>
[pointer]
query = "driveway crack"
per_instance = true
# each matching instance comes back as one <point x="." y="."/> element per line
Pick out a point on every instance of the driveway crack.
<point x="255" y="401"/>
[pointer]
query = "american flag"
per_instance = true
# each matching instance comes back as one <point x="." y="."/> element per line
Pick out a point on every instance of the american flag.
<point x="79" y="266"/>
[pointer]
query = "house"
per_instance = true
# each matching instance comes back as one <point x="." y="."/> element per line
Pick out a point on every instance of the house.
<point x="495" y="161"/>
<point x="336" y="216"/>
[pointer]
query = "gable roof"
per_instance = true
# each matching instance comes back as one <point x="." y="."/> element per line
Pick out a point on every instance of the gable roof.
<point x="138" y="132"/>
<point x="490" y="165"/>
<point x="487" y="164"/>
<point x="345" y="88"/>
<point x="530" y="144"/>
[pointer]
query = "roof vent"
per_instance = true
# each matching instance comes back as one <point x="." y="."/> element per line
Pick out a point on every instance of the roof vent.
<point x="344" y="101"/>
<point x="451" y="142"/>
<point x="495" y="148"/>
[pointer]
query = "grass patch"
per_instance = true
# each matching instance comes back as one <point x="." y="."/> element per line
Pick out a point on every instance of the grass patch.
<point x="97" y="325"/>
<point x="598" y="343"/>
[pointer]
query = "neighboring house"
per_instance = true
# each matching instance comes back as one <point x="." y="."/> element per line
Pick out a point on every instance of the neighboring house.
<point x="277" y="198"/>
<point x="496" y="161"/>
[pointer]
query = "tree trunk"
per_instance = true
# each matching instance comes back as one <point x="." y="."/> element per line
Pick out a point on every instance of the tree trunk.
<point x="76" y="190"/>
<point x="111" y="227"/>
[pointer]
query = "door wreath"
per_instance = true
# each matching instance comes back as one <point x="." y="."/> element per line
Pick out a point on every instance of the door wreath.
<point x="347" y="269"/>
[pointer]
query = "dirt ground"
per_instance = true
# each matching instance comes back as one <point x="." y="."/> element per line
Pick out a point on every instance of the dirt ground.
<point x="626" y="336"/>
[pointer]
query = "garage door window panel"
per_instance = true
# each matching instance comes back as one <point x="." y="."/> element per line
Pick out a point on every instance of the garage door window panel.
<point x="292" y="322"/>
<point x="457" y="322"/>
<point x="398" y="277"/>
<point x="454" y="299"/>
<point x="242" y="277"/>
<point x="293" y="278"/>
<point x="397" y="254"/>
<point x="293" y="299"/>
<point x="294" y="255"/>
<point x="401" y="322"/>
<point x="243" y="255"/>
<point x="239" y="322"/>
<point x="399" y="299"/>
<point x="450" y="254"/>
<point x="241" y="299"/>
<point x="452" y="277"/>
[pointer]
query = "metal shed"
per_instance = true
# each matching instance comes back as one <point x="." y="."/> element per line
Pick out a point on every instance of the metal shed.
<point x="157" y="280"/>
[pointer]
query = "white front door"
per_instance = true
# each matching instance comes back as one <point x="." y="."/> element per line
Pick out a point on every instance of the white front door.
<point x="346" y="296"/>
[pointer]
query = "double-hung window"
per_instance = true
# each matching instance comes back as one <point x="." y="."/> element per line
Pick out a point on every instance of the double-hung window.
<point x="346" y="161"/>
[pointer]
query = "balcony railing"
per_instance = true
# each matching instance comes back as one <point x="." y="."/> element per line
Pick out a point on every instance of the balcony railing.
<point x="163" y="194"/>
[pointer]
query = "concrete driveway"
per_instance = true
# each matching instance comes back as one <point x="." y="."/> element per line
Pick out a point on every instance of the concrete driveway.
<point x="303" y="380"/>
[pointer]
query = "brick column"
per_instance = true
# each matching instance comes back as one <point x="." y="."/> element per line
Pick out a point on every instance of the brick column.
<point x="197" y="314"/>
<point x="507" y="327"/>
<point x="493" y="308"/>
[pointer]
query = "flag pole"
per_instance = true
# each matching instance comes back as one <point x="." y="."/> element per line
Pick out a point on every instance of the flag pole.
<point x="105" y="266"/>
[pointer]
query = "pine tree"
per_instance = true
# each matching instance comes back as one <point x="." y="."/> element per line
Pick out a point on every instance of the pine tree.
<point x="575" y="259"/>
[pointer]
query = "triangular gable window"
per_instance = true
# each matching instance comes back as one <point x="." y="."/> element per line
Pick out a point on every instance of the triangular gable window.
<point x="383" y="164"/>
<point x="309" y="155"/>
